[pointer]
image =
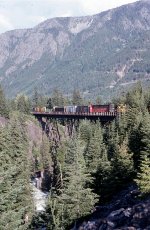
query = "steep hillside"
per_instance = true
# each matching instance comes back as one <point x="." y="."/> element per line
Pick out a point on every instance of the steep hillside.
<point x="100" y="54"/>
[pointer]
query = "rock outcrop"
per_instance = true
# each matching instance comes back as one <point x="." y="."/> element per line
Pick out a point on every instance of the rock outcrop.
<point x="126" y="212"/>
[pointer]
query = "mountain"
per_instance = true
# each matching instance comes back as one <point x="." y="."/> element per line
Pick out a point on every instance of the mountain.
<point x="101" y="54"/>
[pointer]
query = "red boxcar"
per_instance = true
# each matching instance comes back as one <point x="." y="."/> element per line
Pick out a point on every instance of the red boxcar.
<point x="102" y="108"/>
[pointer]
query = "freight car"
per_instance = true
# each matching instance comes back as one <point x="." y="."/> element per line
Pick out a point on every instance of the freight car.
<point x="82" y="109"/>
<point x="70" y="109"/>
<point x="58" y="109"/>
<point x="110" y="108"/>
<point x="40" y="109"/>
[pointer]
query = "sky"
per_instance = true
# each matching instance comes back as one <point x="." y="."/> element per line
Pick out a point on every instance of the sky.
<point x="19" y="14"/>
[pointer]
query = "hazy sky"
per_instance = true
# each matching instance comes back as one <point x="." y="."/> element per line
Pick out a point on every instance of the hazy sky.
<point x="28" y="13"/>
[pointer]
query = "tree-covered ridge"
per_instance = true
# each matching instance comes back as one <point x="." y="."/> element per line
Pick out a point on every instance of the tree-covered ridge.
<point x="81" y="169"/>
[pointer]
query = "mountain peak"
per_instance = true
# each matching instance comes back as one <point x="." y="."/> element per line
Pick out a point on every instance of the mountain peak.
<point x="102" y="53"/>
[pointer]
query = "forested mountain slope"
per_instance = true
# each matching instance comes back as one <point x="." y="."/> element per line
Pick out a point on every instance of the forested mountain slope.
<point x="81" y="168"/>
<point x="100" y="53"/>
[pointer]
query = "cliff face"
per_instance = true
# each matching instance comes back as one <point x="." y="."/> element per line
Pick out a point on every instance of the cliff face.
<point x="107" y="51"/>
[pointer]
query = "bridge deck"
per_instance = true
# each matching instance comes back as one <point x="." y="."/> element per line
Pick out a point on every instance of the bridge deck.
<point x="77" y="116"/>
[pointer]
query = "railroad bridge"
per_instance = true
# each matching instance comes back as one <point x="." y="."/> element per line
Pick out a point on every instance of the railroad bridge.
<point x="102" y="117"/>
<point x="70" y="121"/>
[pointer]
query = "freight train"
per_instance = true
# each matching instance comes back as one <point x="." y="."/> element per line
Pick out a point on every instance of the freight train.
<point x="82" y="109"/>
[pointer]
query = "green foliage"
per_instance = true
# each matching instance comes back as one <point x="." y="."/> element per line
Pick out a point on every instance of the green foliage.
<point x="98" y="100"/>
<point x="77" y="98"/>
<point x="135" y="97"/>
<point x="15" y="195"/>
<point x="120" y="156"/>
<point x="85" y="131"/>
<point x="38" y="100"/>
<point x="143" y="176"/>
<point x="75" y="198"/>
<point x="122" y="163"/>
<point x="23" y="104"/>
<point x="57" y="98"/>
<point x="4" y="112"/>
<point x="145" y="134"/>
<point x="94" y="149"/>
<point x="95" y="163"/>
<point x="45" y="153"/>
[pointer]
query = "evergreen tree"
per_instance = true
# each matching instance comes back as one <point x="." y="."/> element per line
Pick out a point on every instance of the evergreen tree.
<point x="97" y="162"/>
<point x="38" y="100"/>
<point x="77" y="98"/>
<point x="49" y="103"/>
<point x="143" y="176"/>
<point x="4" y="112"/>
<point x="135" y="98"/>
<point x="46" y="161"/>
<point x="94" y="150"/>
<point x="15" y="202"/>
<point x="23" y="104"/>
<point x="57" y="98"/>
<point x="145" y="134"/>
<point x="35" y="98"/>
<point x="122" y="164"/>
<point x="139" y="138"/>
<point x="111" y="139"/>
<point x="85" y="131"/>
<point x="75" y="198"/>
<point x="98" y="100"/>
<point x="122" y="127"/>
<point x="45" y="153"/>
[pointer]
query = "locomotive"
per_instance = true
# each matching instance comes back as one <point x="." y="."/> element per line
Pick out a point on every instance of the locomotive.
<point x="83" y="109"/>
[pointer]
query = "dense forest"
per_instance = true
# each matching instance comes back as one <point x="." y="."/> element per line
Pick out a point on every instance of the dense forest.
<point x="83" y="169"/>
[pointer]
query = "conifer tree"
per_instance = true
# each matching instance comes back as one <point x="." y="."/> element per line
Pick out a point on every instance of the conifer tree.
<point x="38" y="100"/>
<point x="75" y="198"/>
<point x="143" y="176"/>
<point x="122" y="127"/>
<point x="111" y="139"/>
<point x="46" y="161"/>
<point x="57" y="98"/>
<point x="4" y="112"/>
<point x="35" y="98"/>
<point x="49" y="103"/>
<point x="98" y="100"/>
<point x="122" y="164"/>
<point x="23" y="104"/>
<point x="145" y="134"/>
<point x="16" y="201"/>
<point x="85" y="131"/>
<point x="44" y="153"/>
<point x="135" y="97"/>
<point x="94" y="150"/>
<point x="97" y="162"/>
<point x="77" y="98"/>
